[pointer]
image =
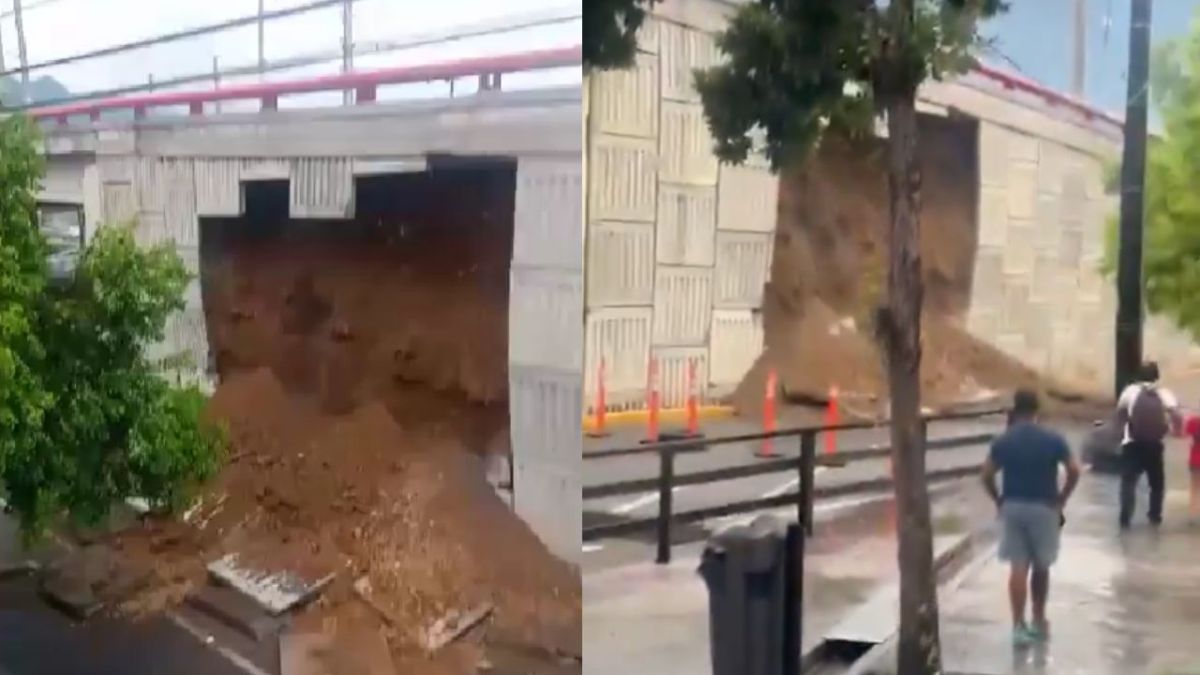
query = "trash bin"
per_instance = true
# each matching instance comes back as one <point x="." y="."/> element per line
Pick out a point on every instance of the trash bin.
<point x="753" y="616"/>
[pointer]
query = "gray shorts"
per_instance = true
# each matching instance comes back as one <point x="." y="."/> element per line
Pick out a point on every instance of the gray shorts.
<point x="1030" y="533"/>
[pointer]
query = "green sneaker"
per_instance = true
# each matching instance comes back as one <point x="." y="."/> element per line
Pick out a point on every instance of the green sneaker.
<point x="1022" y="636"/>
<point x="1040" y="633"/>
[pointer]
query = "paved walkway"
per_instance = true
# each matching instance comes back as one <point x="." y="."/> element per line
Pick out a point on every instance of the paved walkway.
<point x="646" y="618"/>
<point x="1120" y="603"/>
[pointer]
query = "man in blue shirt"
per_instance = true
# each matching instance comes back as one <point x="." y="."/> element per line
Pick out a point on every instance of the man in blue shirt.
<point x="1031" y="504"/>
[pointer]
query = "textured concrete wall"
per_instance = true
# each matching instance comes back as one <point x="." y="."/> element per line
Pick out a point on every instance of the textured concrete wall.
<point x="1037" y="292"/>
<point x="678" y="245"/>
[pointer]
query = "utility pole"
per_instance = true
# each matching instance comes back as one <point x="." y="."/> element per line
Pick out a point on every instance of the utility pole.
<point x="348" y="46"/>
<point x="262" y="54"/>
<point x="2" y="66"/>
<point x="1079" y="60"/>
<point x="1133" y="181"/>
<point x="21" y="56"/>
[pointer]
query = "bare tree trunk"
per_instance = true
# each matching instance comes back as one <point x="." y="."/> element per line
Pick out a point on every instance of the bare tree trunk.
<point x="900" y="330"/>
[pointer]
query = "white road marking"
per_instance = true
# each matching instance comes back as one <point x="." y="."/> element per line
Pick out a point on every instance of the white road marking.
<point x="233" y="657"/>
<point x="790" y="485"/>
<point x="592" y="548"/>
<point x="644" y="500"/>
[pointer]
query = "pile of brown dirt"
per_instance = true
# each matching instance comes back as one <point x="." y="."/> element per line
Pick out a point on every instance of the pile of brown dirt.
<point x="358" y="496"/>
<point x="419" y="327"/>
<point x="363" y="373"/>
<point x="829" y="273"/>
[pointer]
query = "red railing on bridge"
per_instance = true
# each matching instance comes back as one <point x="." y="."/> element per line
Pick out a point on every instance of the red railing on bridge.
<point x="1011" y="80"/>
<point x="364" y="83"/>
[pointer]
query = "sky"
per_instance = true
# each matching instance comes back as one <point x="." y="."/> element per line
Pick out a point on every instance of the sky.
<point x="1034" y="37"/>
<point x="57" y="28"/>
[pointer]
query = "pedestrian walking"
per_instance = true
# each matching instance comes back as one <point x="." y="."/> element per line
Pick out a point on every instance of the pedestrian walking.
<point x="1031" y="503"/>
<point x="1148" y="413"/>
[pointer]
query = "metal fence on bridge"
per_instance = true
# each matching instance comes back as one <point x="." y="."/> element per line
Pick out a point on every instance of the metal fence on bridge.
<point x="240" y="54"/>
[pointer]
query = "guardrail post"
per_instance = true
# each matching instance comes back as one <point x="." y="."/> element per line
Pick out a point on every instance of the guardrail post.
<point x="666" y="478"/>
<point x="807" y="466"/>
<point x="793" y="593"/>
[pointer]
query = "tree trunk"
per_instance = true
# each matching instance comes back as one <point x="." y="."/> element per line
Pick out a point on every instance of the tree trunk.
<point x="900" y="331"/>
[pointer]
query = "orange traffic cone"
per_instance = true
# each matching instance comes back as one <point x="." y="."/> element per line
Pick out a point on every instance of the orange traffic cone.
<point x="768" y="444"/>
<point x="601" y="404"/>
<point x="693" y="405"/>
<point x="833" y="417"/>
<point x="652" y="401"/>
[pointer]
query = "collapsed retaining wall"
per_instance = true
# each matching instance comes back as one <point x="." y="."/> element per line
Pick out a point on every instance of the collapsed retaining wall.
<point x="165" y="174"/>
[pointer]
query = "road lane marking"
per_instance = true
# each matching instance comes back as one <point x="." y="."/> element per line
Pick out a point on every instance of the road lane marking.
<point x="206" y="639"/>
<point x="644" y="500"/>
<point x="790" y="485"/>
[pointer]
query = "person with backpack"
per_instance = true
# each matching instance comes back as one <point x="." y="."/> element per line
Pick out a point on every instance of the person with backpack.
<point x="1147" y="413"/>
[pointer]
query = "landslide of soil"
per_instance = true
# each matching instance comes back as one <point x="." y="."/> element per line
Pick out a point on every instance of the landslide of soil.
<point x="828" y="274"/>
<point x="363" y="379"/>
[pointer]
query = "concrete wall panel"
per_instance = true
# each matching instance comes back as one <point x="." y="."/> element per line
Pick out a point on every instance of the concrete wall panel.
<point x="625" y="101"/>
<point x="621" y="336"/>
<point x="993" y="216"/>
<point x="622" y="179"/>
<point x="63" y="181"/>
<point x="743" y="263"/>
<point x="737" y="340"/>
<point x="545" y="318"/>
<point x="748" y="199"/>
<point x="544" y="409"/>
<point x="119" y="202"/>
<point x="548" y="220"/>
<point x="682" y="305"/>
<point x="322" y="188"/>
<point x="180" y="201"/>
<point x="682" y="51"/>
<point x="685" y="146"/>
<point x="151" y="185"/>
<point x="673" y="366"/>
<point x="686" y="225"/>
<point x="219" y="187"/>
<point x="620" y="265"/>
<point x="1022" y="189"/>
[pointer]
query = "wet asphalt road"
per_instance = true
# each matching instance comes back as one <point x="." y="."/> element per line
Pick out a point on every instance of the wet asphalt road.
<point x="36" y="639"/>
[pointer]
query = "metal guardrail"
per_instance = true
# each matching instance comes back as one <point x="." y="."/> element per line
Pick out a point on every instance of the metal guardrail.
<point x="804" y="465"/>
<point x="360" y="49"/>
<point x="364" y="83"/>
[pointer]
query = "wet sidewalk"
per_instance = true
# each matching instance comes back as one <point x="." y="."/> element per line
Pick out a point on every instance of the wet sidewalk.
<point x="647" y="618"/>
<point x="1121" y="603"/>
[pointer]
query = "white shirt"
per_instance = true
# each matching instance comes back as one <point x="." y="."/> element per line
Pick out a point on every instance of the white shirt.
<point x="1130" y="395"/>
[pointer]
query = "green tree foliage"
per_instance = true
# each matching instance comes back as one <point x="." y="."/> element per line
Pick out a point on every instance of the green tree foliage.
<point x="610" y="31"/>
<point x="86" y="419"/>
<point x="797" y="68"/>
<point x="1171" y="245"/>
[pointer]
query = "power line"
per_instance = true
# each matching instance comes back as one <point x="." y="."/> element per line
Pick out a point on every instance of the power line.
<point x="29" y="7"/>
<point x="180" y="35"/>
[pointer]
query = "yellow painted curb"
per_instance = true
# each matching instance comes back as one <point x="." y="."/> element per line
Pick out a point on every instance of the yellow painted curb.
<point x="627" y="418"/>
